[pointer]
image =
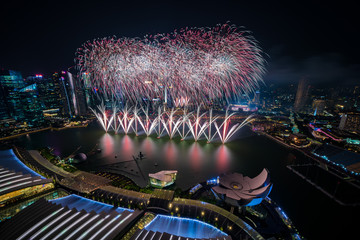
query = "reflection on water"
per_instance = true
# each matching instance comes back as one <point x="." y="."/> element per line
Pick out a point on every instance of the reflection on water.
<point x="127" y="147"/>
<point x="170" y="153"/>
<point x="148" y="147"/>
<point x="195" y="161"/>
<point x="223" y="159"/>
<point x="196" y="156"/>
<point x="107" y="145"/>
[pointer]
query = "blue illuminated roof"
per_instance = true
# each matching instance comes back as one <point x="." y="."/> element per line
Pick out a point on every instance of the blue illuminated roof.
<point x="9" y="160"/>
<point x="183" y="227"/>
<point x="80" y="203"/>
<point x="338" y="155"/>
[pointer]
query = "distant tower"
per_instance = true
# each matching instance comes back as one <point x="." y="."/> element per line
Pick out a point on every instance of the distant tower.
<point x="350" y="122"/>
<point x="343" y="121"/>
<point x="301" y="94"/>
<point x="318" y="105"/>
<point x="10" y="100"/>
<point x="256" y="99"/>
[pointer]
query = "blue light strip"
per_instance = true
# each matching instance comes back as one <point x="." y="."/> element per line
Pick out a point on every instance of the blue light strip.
<point x="90" y="200"/>
<point x="336" y="164"/>
<point x="186" y="219"/>
<point x="15" y="158"/>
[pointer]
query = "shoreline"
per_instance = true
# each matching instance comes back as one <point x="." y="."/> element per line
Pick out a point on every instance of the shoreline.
<point x="40" y="130"/>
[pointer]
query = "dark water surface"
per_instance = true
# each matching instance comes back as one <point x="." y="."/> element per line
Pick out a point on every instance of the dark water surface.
<point x="315" y="215"/>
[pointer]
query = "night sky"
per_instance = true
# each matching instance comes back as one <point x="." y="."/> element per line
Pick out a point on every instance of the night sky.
<point x="317" y="40"/>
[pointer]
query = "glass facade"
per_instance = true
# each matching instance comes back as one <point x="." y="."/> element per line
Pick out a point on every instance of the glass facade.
<point x="10" y="83"/>
<point x="19" y="100"/>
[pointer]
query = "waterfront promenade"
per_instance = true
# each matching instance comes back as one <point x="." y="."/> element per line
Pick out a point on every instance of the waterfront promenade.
<point x="40" y="130"/>
<point x="98" y="187"/>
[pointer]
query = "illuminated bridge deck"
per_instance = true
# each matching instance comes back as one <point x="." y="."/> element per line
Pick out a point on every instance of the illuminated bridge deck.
<point x="48" y="220"/>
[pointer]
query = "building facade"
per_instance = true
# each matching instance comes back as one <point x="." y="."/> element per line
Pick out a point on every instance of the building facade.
<point x="301" y="94"/>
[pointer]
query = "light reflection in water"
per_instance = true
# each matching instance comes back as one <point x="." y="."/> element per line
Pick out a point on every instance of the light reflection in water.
<point x="196" y="155"/>
<point x="148" y="147"/>
<point x="127" y="147"/>
<point x="222" y="157"/>
<point x="194" y="161"/>
<point x="107" y="145"/>
<point x="171" y="153"/>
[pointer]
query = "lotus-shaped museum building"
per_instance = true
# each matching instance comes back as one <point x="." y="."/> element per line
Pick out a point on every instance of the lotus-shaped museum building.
<point x="239" y="190"/>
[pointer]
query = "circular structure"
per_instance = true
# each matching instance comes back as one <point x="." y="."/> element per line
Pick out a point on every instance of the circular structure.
<point x="196" y="64"/>
<point x="80" y="157"/>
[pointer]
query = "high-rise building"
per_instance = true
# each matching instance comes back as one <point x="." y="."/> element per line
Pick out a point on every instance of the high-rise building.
<point x="256" y="99"/>
<point x="90" y="93"/>
<point x="31" y="106"/>
<point x="10" y="83"/>
<point x="80" y="96"/>
<point x="72" y="95"/>
<point x="4" y="114"/>
<point x="318" y="106"/>
<point x="350" y="121"/>
<point x="301" y="94"/>
<point x="48" y="92"/>
<point x="18" y="101"/>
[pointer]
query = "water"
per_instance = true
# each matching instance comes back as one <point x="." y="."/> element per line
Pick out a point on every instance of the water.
<point x="314" y="214"/>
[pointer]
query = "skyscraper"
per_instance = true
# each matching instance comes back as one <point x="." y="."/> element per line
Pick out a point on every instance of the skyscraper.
<point x="31" y="106"/>
<point x="48" y="92"/>
<point x="301" y="94"/>
<point x="18" y="101"/>
<point x="318" y="106"/>
<point x="72" y="96"/>
<point x="350" y="121"/>
<point x="10" y="83"/>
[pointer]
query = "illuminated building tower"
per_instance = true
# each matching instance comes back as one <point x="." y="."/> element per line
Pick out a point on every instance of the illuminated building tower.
<point x="80" y="96"/>
<point x="71" y="94"/>
<point x="31" y="106"/>
<point x="90" y="94"/>
<point x="318" y="106"/>
<point x="256" y="99"/>
<point x="301" y="94"/>
<point x="3" y="106"/>
<point x="357" y="97"/>
<point x="10" y="83"/>
<point x="19" y="101"/>
<point x="48" y="92"/>
<point x="350" y="121"/>
<point x="62" y="93"/>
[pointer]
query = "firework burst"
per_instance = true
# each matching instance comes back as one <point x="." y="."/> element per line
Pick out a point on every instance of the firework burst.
<point x="195" y="65"/>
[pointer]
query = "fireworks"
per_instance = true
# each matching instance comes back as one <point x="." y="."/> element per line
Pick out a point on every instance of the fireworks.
<point x="195" y="65"/>
<point x="189" y="125"/>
